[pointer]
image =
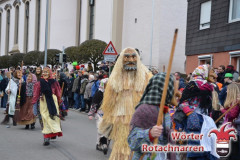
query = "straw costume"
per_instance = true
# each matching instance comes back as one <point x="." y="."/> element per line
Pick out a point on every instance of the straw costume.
<point x="123" y="92"/>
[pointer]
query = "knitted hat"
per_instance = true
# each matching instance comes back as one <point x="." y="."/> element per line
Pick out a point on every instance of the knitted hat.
<point x="228" y="75"/>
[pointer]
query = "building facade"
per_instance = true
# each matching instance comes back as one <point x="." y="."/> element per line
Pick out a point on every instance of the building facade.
<point x="127" y="23"/>
<point x="213" y="33"/>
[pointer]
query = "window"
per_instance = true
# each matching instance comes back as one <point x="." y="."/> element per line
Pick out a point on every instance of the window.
<point x="7" y="32"/>
<point x="205" y="15"/>
<point x="16" y="24"/>
<point x="234" y="11"/>
<point x="38" y="20"/>
<point x="206" y="59"/>
<point x="91" y="25"/>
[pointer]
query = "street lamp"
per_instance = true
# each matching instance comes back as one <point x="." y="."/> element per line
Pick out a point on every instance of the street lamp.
<point x="46" y="35"/>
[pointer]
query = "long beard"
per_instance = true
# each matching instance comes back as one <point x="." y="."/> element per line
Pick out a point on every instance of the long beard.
<point x="129" y="79"/>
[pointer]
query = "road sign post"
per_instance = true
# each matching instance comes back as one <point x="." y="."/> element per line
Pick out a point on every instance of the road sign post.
<point x="110" y="52"/>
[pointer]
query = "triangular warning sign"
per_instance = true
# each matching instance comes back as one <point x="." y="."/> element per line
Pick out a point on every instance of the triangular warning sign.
<point x="110" y="49"/>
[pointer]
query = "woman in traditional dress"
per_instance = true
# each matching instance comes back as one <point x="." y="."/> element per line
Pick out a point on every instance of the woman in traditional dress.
<point x="49" y="92"/>
<point x="26" y="116"/>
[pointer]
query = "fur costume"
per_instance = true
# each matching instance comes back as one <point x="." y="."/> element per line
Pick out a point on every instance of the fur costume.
<point x="123" y="92"/>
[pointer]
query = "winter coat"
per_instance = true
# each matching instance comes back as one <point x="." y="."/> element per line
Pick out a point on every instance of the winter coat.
<point x="220" y="77"/>
<point x="88" y="91"/>
<point x="75" y="85"/>
<point x="95" y="87"/>
<point x="70" y="86"/>
<point x="84" y="83"/>
<point x="181" y="83"/>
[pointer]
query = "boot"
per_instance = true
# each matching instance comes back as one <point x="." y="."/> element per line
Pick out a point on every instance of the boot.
<point x="33" y="126"/>
<point x="14" y="122"/>
<point x="27" y="127"/>
<point x="46" y="141"/>
<point x="5" y="120"/>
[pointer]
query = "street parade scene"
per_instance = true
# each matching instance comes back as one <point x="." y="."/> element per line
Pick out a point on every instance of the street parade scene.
<point x="119" y="80"/>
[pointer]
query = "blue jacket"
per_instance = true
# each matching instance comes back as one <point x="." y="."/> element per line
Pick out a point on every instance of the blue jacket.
<point x="95" y="87"/>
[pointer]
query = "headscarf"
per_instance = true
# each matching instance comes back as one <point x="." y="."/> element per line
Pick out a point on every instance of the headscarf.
<point x="50" y="73"/>
<point x="153" y="92"/>
<point x="201" y="73"/>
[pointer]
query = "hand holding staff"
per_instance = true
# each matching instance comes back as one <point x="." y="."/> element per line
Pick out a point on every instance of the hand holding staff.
<point x="235" y="105"/>
<point x="163" y="99"/>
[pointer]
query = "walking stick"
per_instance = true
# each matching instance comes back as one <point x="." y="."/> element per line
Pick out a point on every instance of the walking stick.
<point x="160" y="114"/>
<point x="17" y="108"/>
<point x="235" y="105"/>
<point x="62" y="89"/>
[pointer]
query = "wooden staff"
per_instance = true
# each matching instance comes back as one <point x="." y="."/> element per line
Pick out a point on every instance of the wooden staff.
<point x="163" y="99"/>
<point x="62" y="89"/>
<point x="17" y="107"/>
<point x="160" y="114"/>
<point x="235" y="105"/>
<point x="20" y="86"/>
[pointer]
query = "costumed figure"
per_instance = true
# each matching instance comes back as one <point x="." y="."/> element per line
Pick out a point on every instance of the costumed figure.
<point x="26" y="116"/>
<point x="144" y="120"/>
<point x="11" y="90"/>
<point x="102" y="140"/>
<point x="195" y="106"/>
<point x="123" y="92"/>
<point x="36" y="110"/>
<point x="48" y="92"/>
<point x="63" y="82"/>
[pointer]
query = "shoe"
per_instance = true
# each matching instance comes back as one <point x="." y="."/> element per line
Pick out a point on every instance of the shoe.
<point x="98" y="147"/>
<point x="14" y="123"/>
<point x="33" y="126"/>
<point x="86" y="111"/>
<point x="46" y="141"/>
<point x="82" y="110"/>
<point x="27" y="127"/>
<point x="105" y="149"/>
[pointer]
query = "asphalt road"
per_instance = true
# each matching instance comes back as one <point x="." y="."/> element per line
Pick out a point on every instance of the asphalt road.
<point x="78" y="141"/>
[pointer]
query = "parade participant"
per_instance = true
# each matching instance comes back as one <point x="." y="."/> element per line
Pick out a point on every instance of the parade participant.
<point x="49" y="92"/>
<point x="231" y="99"/>
<point x="123" y="92"/>
<point x="144" y="120"/>
<point x="36" y="110"/>
<point x="102" y="140"/>
<point x="194" y="108"/>
<point x="26" y="116"/>
<point x="63" y="82"/>
<point x="11" y="90"/>
<point x="39" y="73"/>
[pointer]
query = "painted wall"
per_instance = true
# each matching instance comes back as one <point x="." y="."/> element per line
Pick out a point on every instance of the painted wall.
<point x="63" y="23"/>
<point x="168" y="16"/>
<point x="103" y="20"/>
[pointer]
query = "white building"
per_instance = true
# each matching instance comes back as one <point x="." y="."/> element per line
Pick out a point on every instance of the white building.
<point x="127" y="23"/>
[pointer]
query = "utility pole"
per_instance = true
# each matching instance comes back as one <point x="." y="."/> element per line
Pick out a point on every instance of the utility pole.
<point x="46" y="35"/>
<point x="153" y="6"/>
